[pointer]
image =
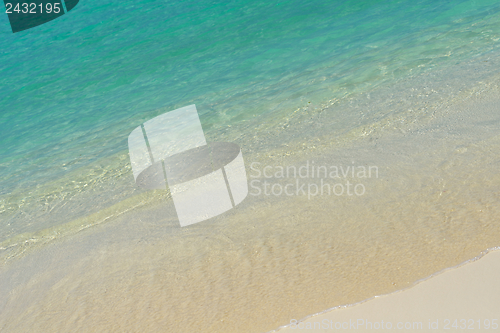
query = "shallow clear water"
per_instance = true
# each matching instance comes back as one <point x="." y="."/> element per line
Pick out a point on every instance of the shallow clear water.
<point x="432" y="204"/>
<point x="73" y="89"/>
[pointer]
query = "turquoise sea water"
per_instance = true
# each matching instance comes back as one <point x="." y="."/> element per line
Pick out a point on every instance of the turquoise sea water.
<point x="73" y="89"/>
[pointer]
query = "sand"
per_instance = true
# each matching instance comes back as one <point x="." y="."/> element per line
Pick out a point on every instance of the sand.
<point x="463" y="298"/>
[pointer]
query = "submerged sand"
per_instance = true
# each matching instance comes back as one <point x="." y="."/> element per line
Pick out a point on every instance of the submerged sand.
<point x="465" y="298"/>
<point x="434" y="204"/>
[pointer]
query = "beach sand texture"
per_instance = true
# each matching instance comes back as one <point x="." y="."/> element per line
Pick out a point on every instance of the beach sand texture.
<point x="463" y="298"/>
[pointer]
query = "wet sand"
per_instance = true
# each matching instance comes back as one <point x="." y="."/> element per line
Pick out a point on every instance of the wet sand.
<point x="466" y="297"/>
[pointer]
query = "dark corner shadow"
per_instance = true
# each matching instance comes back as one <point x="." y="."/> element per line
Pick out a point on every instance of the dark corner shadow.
<point x="24" y="14"/>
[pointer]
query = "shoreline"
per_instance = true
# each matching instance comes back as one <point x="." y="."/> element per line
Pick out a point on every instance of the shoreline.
<point x="282" y="141"/>
<point x="434" y="205"/>
<point x="418" y="301"/>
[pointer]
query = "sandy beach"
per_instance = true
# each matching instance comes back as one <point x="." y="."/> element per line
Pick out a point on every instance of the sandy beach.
<point x="461" y="298"/>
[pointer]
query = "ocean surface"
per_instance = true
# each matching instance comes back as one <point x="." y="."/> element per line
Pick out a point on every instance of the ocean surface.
<point x="259" y="72"/>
